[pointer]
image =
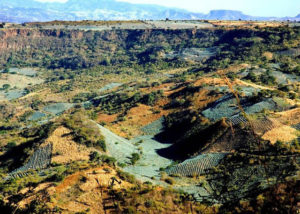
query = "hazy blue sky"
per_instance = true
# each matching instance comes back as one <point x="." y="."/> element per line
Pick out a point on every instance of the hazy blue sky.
<point x="251" y="7"/>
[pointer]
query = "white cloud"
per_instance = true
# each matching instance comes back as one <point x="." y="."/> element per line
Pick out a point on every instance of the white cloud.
<point x="49" y="1"/>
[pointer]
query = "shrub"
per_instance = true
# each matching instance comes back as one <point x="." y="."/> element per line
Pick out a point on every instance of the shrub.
<point x="155" y="84"/>
<point x="94" y="156"/>
<point x="10" y="145"/>
<point x="231" y="75"/>
<point x="169" y="180"/>
<point x="134" y="158"/>
<point x="252" y="77"/>
<point x="126" y="176"/>
<point x="5" y="86"/>
<point x="107" y="159"/>
<point x="83" y="179"/>
<point x="6" y="70"/>
<point x="292" y="95"/>
<point x="122" y="165"/>
<point x="267" y="79"/>
<point x="152" y="98"/>
<point x="57" y="177"/>
<point x="149" y="203"/>
<point x="82" y="97"/>
<point x="101" y="144"/>
<point x="129" y="210"/>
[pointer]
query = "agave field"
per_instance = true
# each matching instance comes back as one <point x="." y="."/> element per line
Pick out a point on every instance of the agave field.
<point x="40" y="159"/>
<point x="197" y="165"/>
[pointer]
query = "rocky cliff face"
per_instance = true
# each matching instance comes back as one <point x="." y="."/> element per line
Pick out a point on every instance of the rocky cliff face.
<point x="50" y="48"/>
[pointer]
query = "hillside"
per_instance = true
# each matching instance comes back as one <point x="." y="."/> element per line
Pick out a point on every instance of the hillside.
<point x="149" y="116"/>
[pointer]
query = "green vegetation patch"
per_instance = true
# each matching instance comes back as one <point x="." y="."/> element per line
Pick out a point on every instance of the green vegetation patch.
<point x="85" y="131"/>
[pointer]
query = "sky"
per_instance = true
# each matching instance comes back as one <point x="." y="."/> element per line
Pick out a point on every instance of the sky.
<point x="60" y="1"/>
<point x="278" y="8"/>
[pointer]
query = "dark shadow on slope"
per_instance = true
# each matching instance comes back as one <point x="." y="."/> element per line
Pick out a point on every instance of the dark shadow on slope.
<point x="16" y="156"/>
<point x="216" y="138"/>
<point x="193" y="141"/>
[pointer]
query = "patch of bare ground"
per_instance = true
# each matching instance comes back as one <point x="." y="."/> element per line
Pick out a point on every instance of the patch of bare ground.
<point x="243" y="83"/>
<point x="65" y="150"/>
<point x="209" y="79"/>
<point x="19" y="81"/>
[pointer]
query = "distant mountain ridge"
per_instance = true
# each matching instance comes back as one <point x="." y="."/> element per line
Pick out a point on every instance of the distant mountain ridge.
<point x="29" y="10"/>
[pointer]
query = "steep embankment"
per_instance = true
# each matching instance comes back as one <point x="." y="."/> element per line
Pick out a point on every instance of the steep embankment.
<point x="55" y="48"/>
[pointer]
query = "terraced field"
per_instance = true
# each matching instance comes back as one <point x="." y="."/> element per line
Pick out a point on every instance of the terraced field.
<point x="110" y="86"/>
<point x="237" y="119"/>
<point x="135" y="25"/>
<point x="227" y="107"/>
<point x="194" y="54"/>
<point x="154" y="128"/>
<point x="197" y="166"/>
<point x="145" y="105"/>
<point x="24" y="71"/>
<point x="117" y="147"/>
<point x="57" y="108"/>
<point x="40" y="159"/>
<point x="264" y="125"/>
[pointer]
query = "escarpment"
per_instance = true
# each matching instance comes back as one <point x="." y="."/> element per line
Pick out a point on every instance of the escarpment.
<point x="53" y="48"/>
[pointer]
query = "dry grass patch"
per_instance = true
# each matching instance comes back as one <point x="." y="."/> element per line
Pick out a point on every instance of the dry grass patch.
<point x="89" y="185"/>
<point x="67" y="182"/>
<point x="106" y="118"/>
<point x="65" y="150"/>
<point x="78" y="192"/>
<point x="201" y="99"/>
<point x="19" y="81"/>
<point x="283" y="134"/>
<point x="290" y="117"/>
<point x="268" y="55"/>
<point x="136" y="118"/>
<point x="245" y="24"/>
